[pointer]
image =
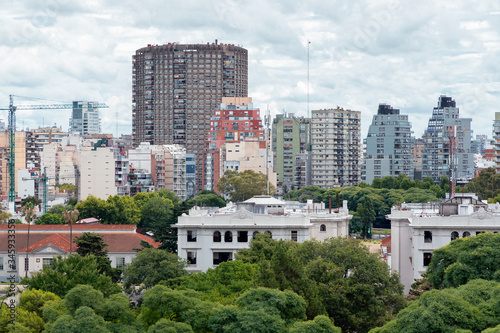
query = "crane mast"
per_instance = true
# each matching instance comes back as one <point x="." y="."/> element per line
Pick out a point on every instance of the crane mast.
<point x="12" y="137"/>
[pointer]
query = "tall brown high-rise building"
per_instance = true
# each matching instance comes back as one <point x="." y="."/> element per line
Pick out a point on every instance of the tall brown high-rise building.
<point x="176" y="87"/>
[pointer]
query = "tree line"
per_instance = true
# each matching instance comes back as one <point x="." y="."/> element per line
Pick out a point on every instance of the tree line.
<point x="273" y="286"/>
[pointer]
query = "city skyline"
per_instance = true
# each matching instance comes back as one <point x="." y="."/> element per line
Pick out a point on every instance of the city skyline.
<point x="361" y="54"/>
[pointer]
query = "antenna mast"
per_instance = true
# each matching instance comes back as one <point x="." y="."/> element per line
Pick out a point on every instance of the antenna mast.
<point x="267" y="120"/>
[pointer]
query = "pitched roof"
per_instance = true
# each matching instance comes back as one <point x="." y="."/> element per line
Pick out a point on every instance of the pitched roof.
<point x="64" y="227"/>
<point x="117" y="242"/>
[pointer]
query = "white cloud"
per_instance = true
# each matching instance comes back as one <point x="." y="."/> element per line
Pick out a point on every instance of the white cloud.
<point x="362" y="53"/>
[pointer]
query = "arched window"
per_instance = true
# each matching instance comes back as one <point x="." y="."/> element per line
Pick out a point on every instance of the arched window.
<point x="322" y="227"/>
<point x="269" y="233"/>
<point x="466" y="234"/>
<point x="255" y="233"/>
<point x="217" y="237"/>
<point x="455" y="235"/>
<point x="228" y="237"/>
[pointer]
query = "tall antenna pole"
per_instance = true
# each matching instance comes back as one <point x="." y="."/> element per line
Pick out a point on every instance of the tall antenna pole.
<point x="267" y="121"/>
<point x="308" y="43"/>
<point x="12" y="151"/>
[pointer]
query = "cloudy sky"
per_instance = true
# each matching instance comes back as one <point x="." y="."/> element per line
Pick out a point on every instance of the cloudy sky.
<point x="362" y="53"/>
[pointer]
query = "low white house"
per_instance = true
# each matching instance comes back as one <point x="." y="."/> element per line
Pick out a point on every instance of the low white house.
<point x="415" y="232"/>
<point x="207" y="238"/>
<point x="49" y="241"/>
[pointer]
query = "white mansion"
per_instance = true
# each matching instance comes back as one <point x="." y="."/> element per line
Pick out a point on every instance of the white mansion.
<point x="419" y="229"/>
<point x="208" y="237"/>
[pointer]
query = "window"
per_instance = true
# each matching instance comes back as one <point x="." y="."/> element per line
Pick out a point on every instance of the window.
<point x="217" y="237"/>
<point x="427" y="236"/>
<point x="191" y="257"/>
<point x="269" y="233"/>
<point x="47" y="262"/>
<point x="322" y="227"/>
<point x="191" y="236"/>
<point x="26" y="264"/>
<point x="455" y="235"/>
<point x="255" y="233"/>
<point x="479" y="232"/>
<point x="228" y="236"/>
<point x="294" y="235"/>
<point x="1" y="263"/>
<point x="427" y="258"/>
<point x="466" y="234"/>
<point x="120" y="262"/>
<point x="219" y="257"/>
<point x="242" y="236"/>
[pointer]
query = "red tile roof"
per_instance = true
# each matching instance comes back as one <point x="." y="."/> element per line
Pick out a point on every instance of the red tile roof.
<point x="117" y="242"/>
<point x="83" y="226"/>
<point x="386" y="241"/>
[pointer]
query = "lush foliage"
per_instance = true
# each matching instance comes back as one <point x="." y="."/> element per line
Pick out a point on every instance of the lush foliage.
<point x="66" y="273"/>
<point x="151" y="266"/>
<point x="240" y="186"/>
<point x="49" y="218"/>
<point x="474" y="307"/>
<point x="486" y="185"/>
<point x="206" y="199"/>
<point x="338" y="277"/>
<point x="466" y="259"/>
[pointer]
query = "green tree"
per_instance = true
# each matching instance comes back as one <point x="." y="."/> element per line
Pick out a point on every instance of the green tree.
<point x="167" y="326"/>
<point x="320" y="324"/>
<point x="472" y="307"/>
<point x="207" y="199"/>
<point x="31" y="199"/>
<point x="240" y="186"/>
<point x="230" y="319"/>
<point x="29" y="213"/>
<point x="70" y="216"/>
<point x="57" y="209"/>
<point x="157" y="217"/>
<point x="5" y="216"/>
<point x="486" y="185"/>
<point x="49" y="218"/>
<point x="338" y="277"/>
<point x="33" y="300"/>
<point x="92" y="244"/>
<point x="367" y="215"/>
<point x="151" y="266"/>
<point x="92" y="207"/>
<point x="122" y="210"/>
<point x="465" y="259"/>
<point x="66" y="273"/>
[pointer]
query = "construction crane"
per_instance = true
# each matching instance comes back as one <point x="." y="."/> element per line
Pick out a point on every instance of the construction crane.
<point x="12" y="134"/>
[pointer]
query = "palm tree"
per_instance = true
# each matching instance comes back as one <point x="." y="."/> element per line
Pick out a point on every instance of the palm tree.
<point x="29" y="213"/>
<point x="70" y="216"/>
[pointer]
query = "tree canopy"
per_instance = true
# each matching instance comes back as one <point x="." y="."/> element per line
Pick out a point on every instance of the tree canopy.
<point x="338" y="277"/>
<point x="472" y="308"/>
<point x="151" y="266"/>
<point x="240" y="186"/>
<point x="466" y="259"/>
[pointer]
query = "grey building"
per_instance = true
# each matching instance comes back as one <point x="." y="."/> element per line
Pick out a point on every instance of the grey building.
<point x="85" y="118"/>
<point x="389" y="146"/>
<point x="176" y="88"/>
<point x="336" y="148"/>
<point x="446" y="129"/>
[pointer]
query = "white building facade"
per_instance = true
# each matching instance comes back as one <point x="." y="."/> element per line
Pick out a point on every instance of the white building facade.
<point x="207" y="238"/>
<point x="415" y="234"/>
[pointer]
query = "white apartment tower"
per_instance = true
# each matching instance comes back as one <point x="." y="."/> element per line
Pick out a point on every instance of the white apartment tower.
<point x="85" y="118"/>
<point x="389" y="146"/>
<point x="336" y="148"/>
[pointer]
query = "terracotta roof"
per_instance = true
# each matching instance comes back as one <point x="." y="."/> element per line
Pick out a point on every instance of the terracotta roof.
<point x="78" y="227"/>
<point x="117" y="242"/>
<point x="55" y="239"/>
<point x="386" y="241"/>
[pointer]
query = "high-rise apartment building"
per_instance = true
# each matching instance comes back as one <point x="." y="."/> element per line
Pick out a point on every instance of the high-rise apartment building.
<point x="389" y="146"/>
<point x="290" y="136"/>
<point x="85" y="118"/>
<point x="336" y="148"/>
<point x="446" y="129"/>
<point x="176" y="88"/>
<point x="236" y="120"/>
<point x="496" y="141"/>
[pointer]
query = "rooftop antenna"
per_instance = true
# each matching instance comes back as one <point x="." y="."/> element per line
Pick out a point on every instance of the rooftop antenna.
<point x="267" y="122"/>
